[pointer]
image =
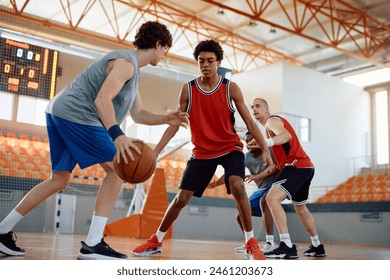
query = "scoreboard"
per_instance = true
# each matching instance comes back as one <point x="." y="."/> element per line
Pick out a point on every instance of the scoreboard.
<point x="27" y="69"/>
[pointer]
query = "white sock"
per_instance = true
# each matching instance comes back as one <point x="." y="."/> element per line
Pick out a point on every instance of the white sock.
<point x="160" y="235"/>
<point x="315" y="241"/>
<point x="270" y="239"/>
<point x="285" y="237"/>
<point x="96" y="230"/>
<point x="248" y="235"/>
<point x="10" y="221"/>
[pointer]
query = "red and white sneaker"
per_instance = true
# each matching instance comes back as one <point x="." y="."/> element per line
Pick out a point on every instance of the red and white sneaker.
<point x="253" y="251"/>
<point x="150" y="247"/>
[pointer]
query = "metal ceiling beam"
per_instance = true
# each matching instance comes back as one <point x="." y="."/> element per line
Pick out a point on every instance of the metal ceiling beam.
<point x="347" y="24"/>
<point x="15" y="19"/>
<point x="187" y="26"/>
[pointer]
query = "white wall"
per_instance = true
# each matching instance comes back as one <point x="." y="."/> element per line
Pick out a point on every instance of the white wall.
<point x="339" y="114"/>
<point x="340" y="120"/>
<point x="266" y="82"/>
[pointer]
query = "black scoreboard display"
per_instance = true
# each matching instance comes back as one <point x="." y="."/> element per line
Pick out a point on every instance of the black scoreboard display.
<point x="27" y="69"/>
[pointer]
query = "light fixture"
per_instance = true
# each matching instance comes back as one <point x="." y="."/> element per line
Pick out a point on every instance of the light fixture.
<point x="272" y="30"/>
<point x="252" y="23"/>
<point x="221" y="12"/>
<point x="317" y="46"/>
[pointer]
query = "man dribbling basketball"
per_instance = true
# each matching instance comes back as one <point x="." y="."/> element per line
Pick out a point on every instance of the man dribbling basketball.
<point x="209" y="102"/>
<point x="82" y="124"/>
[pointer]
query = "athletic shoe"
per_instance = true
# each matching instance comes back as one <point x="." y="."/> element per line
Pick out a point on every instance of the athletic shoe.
<point x="318" y="251"/>
<point x="150" y="247"/>
<point x="240" y="249"/>
<point x="252" y="250"/>
<point x="283" y="252"/>
<point x="8" y="245"/>
<point x="100" y="251"/>
<point x="267" y="247"/>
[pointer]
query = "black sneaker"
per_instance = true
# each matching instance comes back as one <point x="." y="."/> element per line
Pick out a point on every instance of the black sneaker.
<point x="8" y="245"/>
<point x="283" y="252"/>
<point x="100" y="251"/>
<point x="318" y="251"/>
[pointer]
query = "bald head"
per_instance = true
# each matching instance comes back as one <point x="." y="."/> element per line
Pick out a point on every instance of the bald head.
<point x="260" y="110"/>
<point x="261" y="100"/>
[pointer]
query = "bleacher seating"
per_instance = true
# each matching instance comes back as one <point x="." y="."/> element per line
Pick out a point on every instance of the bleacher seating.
<point x="372" y="187"/>
<point x="29" y="157"/>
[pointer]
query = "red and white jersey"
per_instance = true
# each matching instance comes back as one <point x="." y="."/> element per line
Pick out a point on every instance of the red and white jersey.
<point x="290" y="153"/>
<point x="212" y="120"/>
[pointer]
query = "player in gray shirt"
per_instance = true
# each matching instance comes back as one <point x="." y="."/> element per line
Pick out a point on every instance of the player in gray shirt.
<point x="83" y="128"/>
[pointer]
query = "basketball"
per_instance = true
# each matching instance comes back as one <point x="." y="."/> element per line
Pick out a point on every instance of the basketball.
<point x="141" y="168"/>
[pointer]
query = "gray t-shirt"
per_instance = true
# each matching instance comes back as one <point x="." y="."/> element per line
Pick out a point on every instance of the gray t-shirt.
<point x="255" y="166"/>
<point x="75" y="102"/>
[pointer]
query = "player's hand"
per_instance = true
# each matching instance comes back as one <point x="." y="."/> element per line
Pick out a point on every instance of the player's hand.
<point x="248" y="178"/>
<point x="124" y="145"/>
<point x="178" y="119"/>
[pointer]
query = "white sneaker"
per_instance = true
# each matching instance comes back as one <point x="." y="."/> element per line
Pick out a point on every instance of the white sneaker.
<point x="240" y="249"/>
<point x="267" y="247"/>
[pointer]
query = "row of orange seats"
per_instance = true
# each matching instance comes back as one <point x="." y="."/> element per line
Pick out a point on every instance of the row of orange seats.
<point x="27" y="158"/>
<point x="30" y="158"/>
<point x="360" y="189"/>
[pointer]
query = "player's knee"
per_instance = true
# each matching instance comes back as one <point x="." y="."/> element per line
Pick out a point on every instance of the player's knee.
<point x="108" y="168"/>
<point x="180" y="201"/>
<point x="60" y="180"/>
<point x="271" y="198"/>
<point x="301" y="209"/>
<point x="237" y="189"/>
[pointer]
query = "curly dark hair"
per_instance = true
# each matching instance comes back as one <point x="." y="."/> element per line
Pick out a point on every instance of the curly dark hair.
<point x="150" y="33"/>
<point x="209" y="46"/>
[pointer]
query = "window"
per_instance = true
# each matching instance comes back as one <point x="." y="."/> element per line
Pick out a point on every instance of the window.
<point x="6" y="106"/>
<point x="304" y="129"/>
<point x="381" y="127"/>
<point x="301" y="126"/>
<point x="31" y="110"/>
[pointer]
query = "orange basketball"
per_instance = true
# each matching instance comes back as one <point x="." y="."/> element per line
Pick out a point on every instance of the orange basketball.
<point x="141" y="168"/>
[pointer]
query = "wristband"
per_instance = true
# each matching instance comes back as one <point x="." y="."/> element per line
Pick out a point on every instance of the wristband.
<point x="115" y="131"/>
<point x="270" y="142"/>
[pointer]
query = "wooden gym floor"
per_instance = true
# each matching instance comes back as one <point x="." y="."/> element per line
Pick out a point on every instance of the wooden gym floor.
<point x="48" y="246"/>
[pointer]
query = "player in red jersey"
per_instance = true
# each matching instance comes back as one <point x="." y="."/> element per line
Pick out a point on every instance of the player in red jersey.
<point x="293" y="182"/>
<point x="209" y="100"/>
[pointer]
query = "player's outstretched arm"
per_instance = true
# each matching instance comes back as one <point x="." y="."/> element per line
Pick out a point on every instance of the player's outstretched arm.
<point x="171" y="131"/>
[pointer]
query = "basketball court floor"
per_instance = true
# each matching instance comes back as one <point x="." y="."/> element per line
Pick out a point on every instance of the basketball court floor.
<point x="48" y="246"/>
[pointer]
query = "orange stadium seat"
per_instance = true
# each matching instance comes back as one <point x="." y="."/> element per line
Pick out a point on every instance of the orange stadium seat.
<point x="24" y="136"/>
<point x="36" y="138"/>
<point x="11" y="134"/>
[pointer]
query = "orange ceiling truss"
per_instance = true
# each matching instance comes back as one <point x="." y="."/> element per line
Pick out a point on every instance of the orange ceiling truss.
<point x="345" y="23"/>
<point x="241" y="53"/>
<point x="190" y="25"/>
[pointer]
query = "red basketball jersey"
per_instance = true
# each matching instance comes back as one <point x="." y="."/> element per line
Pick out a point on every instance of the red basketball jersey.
<point x="290" y="153"/>
<point x="212" y="120"/>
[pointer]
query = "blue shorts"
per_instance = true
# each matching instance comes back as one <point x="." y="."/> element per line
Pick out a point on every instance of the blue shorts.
<point x="199" y="172"/>
<point x="255" y="198"/>
<point x="72" y="143"/>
